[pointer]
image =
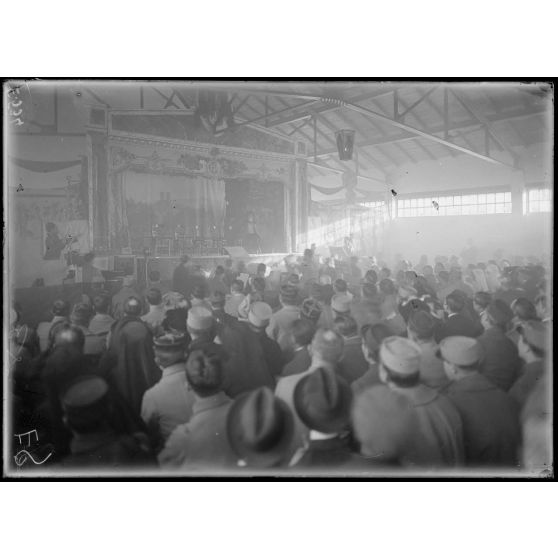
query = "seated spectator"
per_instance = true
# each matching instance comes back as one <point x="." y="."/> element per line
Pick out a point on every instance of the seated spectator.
<point x="456" y="323"/>
<point x="420" y="329"/>
<point x="440" y="424"/>
<point x="127" y="291"/>
<point x="532" y="346"/>
<point x="199" y="294"/>
<point x="352" y="364"/>
<point x="169" y="402"/>
<point x="217" y="282"/>
<point x="60" y="312"/>
<point x="371" y="277"/>
<point x="260" y="428"/>
<point x="156" y="313"/>
<point x="280" y="324"/>
<point x="481" y="300"/>
<point x="322" y="401"/>
<point x="94" y="441"/>
<point x="102" y="321"/>
<point x="302" y="332"/>
<point x="386" y="426"/>
<point x="130" y="360"/>
<point x="341" y="305"/>
<point x="201" y="444"/>
<point x="95" y="344"/>
<point x="490" y="417"/>
<point x="311" y="310"/>
<point x="372" y="337"/>
<point x="501" y="362"/>
<point x="340" y="288"/>
<point x="234" y="299"/>
<point x="201" y="326"/>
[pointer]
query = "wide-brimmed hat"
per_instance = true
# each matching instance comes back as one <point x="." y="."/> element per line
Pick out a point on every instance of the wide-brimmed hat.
<point x="260" y="428"/>
<point x="323" y="401"/>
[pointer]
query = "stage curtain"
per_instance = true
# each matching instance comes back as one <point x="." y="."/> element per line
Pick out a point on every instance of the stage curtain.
<point x="119" y="235"/>
<point x="210" y="205"/>
<point x="189" y="201"/>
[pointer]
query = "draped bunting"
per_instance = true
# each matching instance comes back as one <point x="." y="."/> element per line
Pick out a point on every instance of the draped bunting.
<point x="326" y="191"/>
<point x="44" y="166"/>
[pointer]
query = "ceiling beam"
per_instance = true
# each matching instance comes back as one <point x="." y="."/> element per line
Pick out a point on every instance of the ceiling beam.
<point x="439" y="129"/>
<point x="488" y="125"/>
<point x="96" y="97"/>
<point x="382" y="118"/>
<point x="281" y="111"/>
<point x="330" y="107"/>
<point x="413" y="105"/>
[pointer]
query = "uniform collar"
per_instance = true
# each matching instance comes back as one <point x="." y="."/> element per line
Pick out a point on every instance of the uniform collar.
<point x="207" y="403"/>
<point x="419" y="394"/>
<point x="176" y="368"/>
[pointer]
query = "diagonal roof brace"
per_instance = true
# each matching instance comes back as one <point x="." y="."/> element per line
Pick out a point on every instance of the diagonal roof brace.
<point x="376" y="115"/>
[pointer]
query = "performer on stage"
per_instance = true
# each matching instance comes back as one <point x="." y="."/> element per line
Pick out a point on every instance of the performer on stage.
<point x="252" y="240"/>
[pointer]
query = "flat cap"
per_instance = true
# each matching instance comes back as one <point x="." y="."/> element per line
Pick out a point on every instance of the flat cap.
<point x="460" y="350"/>
<point x="400" y="355"/>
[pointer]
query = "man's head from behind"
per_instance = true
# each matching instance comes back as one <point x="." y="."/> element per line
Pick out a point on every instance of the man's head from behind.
<point x="303" y="332"/>
<point x="461" y="356"/>
<point x="67" y="335"/>
<point x="204" y="371"/>
<point x="61" y="308"/>
<point x="169" y="349"/>
<point x="455" y="302"/>
<point x="420" y="326"/>
<point x="399" y="362"/>
<point x="154" y="297"/>
<point x="327" y="346"/>
<point x="346" y="326"/>
<point x="101" y="303"/>
<point x="372" y="337"/>
<point x="237" y="287"/>
<point x="132" y="307"/>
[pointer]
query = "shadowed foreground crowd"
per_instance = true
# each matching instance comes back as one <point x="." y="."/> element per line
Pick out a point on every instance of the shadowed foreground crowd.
<point x="415" y="368"/>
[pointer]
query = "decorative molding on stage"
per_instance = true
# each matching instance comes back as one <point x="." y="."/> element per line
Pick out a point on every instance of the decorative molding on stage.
<point x="114" y="152"/>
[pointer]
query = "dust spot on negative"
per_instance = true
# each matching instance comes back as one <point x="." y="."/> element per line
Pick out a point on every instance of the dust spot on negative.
<point x="393" y="192"/>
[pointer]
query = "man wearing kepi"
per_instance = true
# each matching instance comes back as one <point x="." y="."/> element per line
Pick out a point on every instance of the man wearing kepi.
<point x="169" y="402"/>
<point x="490" y="418"/>
<point x="439" y="420"/>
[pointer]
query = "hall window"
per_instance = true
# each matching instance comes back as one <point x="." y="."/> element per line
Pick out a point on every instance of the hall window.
<point x="538" y="200"/>
<point x="486" y="203"/>
<point x="378" y="212"/>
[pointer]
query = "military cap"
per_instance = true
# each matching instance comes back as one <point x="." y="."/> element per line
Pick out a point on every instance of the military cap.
<point x="259" y="314"/>
<point x="400" y="355"/>
<point x="460" y="350"/>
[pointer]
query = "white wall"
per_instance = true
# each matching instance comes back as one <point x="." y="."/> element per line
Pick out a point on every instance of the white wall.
<point x="516" y="234"/>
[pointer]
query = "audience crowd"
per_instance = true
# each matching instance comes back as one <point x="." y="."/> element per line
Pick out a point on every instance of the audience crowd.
<point x="339" y="367"/>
